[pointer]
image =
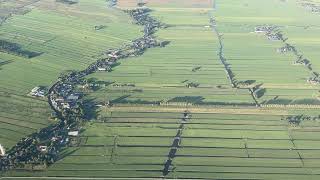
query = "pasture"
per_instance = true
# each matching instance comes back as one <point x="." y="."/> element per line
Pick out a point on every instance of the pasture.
<point x="213" y="145"/>
<point x="67" y="40"/>
<point x="257" y="58"/>
<point x="175" y="113"/>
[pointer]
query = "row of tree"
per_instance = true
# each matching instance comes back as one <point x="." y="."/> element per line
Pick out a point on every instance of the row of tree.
<point x="16" y="49"/>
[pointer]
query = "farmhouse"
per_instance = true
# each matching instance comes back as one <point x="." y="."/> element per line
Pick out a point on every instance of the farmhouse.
<point x="104" y="68"/>
<point x="37" y="92"/>
<point x="101" y="69"/>
<point x="264" y="29"/>
<point x="73" y="133"/>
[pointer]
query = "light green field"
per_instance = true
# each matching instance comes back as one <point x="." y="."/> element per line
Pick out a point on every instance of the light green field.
<point x="136" y="144"/>
<point x="124" y="141"/>
<point x="67" y="39"/>
<point x="254" y="57"/>
<point x="161" y="74"/>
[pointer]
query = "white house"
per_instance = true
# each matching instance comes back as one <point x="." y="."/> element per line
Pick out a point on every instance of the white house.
<point x="101" y="69"/>
<point x="73" y="133"/>
<point x="43" y="148"/>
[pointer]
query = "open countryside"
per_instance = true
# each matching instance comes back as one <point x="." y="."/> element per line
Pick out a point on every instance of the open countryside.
<point x="159" y="89"/>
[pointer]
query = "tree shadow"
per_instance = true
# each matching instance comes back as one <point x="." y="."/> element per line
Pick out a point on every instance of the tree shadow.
<point x="2" y="62"/>
<point x="120" y="99"/>
<point x="247" y="82"/>
<point x="67" y="153"/>
<point x="260" y="92"/>
<point x="90" y="109"/>
<point x="164" y="43"/>
<point x="188" y="99"/>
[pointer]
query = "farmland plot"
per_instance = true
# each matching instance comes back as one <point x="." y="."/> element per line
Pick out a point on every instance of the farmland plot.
<point x="254" y="57"/>
<point x="66" y="38"/>
<point x="213" y="145"/>
<point x="130" y="139"/>
<point x="187" y="70"/>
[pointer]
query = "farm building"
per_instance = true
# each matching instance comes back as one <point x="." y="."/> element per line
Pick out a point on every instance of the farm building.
<point x="37" y="92"/>
<point x="73" y="133"/>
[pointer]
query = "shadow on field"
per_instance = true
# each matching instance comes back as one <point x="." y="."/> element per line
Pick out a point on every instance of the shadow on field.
<point x="188" y="99"/>
<point x="68" y="153"/>
<point x="2" y="62"/>
<point x="120" y="99"/>
<point x="90" y="109"/>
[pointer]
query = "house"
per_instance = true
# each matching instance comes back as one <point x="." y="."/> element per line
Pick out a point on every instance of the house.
<point x="73" y="133"/>
<point x="2" y="151"/>
<point x="73" y="97"/>
<point x="101" y="69"/>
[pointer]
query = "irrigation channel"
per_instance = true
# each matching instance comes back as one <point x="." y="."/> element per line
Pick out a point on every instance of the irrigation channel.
<point x="42" y="148"/>
<point x="227" y="66"/>
<point x="175" y="144"/>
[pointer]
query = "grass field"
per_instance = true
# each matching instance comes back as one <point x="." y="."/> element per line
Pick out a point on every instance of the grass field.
<point x="234" y="140"/>
<point x="254" y="57"/>
<point x="67" y="40"/>
<point x="161" y="74"/>
<point x="213" y="145"/>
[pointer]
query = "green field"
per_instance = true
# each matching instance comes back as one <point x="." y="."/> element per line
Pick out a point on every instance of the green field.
<point x="227" y="137"/>
<point x="67" y="39"/>
<point x="136" y="144"/>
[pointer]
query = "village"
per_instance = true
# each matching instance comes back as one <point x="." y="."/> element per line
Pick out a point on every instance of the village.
<point x="41" y="149"/>
<point x="273" y="33"/>
<point x="311" y="6"/>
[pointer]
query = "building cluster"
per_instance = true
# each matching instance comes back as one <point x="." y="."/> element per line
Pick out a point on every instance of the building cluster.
<point x="38" y="92"/>
<point x="302" y="61"/>
<point x="42" y="148"/>
<point x="296" y="120"/>
<point x="264" y="29"/>
<point x="37" y="149"/>
<point x="286" y="48"/>
<point x="272" y="32"/>
<point x="311" y="6"/>
<point x="314" y="79"/>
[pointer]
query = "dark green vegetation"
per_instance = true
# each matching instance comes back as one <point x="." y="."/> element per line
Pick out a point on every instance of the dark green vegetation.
<point x="15" y="49"/>
<point x="218" y="101"/>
